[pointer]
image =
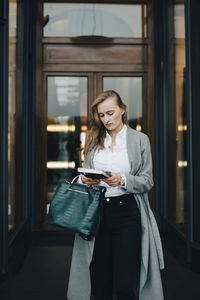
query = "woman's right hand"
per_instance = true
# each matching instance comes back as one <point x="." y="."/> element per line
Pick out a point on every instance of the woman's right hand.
<point x="89" y="181"/>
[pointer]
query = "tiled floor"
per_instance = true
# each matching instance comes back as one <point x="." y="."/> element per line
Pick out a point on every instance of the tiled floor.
<point x="45" y="272"/>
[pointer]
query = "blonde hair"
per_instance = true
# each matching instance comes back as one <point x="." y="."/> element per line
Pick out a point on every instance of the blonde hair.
<point x="97" y="132"/>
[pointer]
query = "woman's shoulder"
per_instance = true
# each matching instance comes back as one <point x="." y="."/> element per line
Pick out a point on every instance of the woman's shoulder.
<point x="137" y="134"/>
<point x="137" y="140"/>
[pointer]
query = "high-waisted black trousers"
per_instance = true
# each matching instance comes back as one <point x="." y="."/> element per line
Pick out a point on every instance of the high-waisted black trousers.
<point x="116" y="259"/>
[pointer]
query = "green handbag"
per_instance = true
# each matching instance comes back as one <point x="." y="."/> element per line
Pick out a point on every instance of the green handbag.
<point x="77" y="207"/>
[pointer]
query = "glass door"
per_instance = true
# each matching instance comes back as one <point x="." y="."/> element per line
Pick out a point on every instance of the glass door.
<point x="131" y="90"/>
<point x="68" y="98"/>
<point x="111" y="47"/>
<point x="67" y="103"/>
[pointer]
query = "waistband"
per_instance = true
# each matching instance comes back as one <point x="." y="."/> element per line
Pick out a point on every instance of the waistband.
<point x="120" y="197"/>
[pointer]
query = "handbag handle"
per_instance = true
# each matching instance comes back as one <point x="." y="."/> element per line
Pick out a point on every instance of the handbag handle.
<point x="70" y="182"/>
<point x="74" y="178"/>
<point x="93" y="186"/>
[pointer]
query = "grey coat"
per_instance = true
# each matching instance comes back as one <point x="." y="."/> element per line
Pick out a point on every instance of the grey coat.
<point x="139" y="182"/>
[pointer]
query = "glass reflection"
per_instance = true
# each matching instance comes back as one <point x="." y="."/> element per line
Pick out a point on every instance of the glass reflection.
<point x="177" y="211"/>
<point x="109" y="20"/>
<point x="130" y="90"/>
<point x="66" y="127"/>
<point x="11" y="113"/>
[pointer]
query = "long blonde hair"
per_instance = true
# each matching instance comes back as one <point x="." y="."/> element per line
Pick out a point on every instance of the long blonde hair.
<point x="96" y="131"/>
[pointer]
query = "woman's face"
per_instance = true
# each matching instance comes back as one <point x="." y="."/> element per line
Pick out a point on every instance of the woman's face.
<point x="110" y="114"/>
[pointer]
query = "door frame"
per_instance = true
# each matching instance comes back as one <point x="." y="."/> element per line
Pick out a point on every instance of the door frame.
<point x="47" y="64"/>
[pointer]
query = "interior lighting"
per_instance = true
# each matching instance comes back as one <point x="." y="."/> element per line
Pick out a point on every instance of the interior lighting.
<point x="61" y="164"/>
<point x="84" y="128"/>
<point x="61" y="128"/>
<point x="182" y="127"/>
<point x="182" y="163"/>
<point x="139" y="127"/>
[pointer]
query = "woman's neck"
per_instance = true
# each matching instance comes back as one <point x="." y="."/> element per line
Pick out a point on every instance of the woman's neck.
<point x="114" y="132"/>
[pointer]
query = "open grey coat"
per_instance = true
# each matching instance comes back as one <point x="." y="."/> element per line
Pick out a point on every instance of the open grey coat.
<point x="139" y="182"/>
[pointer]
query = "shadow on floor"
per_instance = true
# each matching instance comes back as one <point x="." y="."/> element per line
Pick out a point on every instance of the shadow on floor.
<point x="44" y="276"/>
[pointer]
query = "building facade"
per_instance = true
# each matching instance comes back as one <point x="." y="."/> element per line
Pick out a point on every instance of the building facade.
<point x="55" y="57"/>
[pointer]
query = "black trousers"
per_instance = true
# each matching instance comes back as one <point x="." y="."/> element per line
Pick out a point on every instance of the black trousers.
<point x="116" y="259"/>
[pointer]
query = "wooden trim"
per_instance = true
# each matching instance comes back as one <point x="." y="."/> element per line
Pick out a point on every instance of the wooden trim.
<point x="95" y="40"/>
<point x="91" y="92"/>
<point x="100" y="1"/>
<point x="40" y="138"/>
<point x="93" y="54"/>
<point x="93" y="68"/>
<point x="122" y="74"/>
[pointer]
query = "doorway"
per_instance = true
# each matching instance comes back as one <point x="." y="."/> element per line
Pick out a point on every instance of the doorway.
<point x="68" y="98"/>
<point x="72" y="71"/>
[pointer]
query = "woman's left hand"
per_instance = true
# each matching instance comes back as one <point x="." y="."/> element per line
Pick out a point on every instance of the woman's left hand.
<point x="113" y="180"/>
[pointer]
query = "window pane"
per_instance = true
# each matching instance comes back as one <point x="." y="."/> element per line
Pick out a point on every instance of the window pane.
<point x="67" y="125"/>
<point x="177" y="124"/>
<point x="11" y="113"/>
<point x="130" y="90"/>
<point x="109" y="20"/>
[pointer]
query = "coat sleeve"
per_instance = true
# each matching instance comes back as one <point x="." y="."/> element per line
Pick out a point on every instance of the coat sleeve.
<point x="142" y="181"/>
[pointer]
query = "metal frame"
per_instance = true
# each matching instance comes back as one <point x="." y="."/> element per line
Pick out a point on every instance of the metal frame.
<point x="189" y="125"/>
<point x="161" y="108"/>
<point x="29" y="79"/>
<point x="4" y="136"/>
<point x="161" y="131"/>
<point x="19" y="239"/>
<point x="193" y="92"/>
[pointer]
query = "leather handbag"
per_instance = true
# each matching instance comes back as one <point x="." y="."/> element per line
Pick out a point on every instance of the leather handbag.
<point x="77" y="207"/>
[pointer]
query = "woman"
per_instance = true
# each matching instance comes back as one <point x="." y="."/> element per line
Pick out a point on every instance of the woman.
<point x="127" y="246"/>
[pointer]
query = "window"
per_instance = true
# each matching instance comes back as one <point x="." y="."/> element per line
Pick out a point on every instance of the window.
<point x="66" y="128"/>
<point x="130" y="90"/>
<point x="177" y="183"/>
<point x="11" y="112"/>
<point x="108" y="20"/>
<point x="15" y="110"/>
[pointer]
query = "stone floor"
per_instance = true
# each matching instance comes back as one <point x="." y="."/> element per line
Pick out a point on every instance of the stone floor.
<point x="44" y="276"/>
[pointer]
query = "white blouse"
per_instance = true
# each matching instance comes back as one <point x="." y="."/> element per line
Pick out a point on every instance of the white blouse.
<point x="115" y="160"/>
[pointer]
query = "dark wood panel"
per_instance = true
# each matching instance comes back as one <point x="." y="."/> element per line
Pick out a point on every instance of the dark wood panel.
<point x="96" y="54"/>
<point x="102" y="1"/>
<point x="40" y="131"/>
<point x="94" y="40"/>
<point x="148" y="92"/>
<point x="94" y="68"/>
<point x="195" y="108"/>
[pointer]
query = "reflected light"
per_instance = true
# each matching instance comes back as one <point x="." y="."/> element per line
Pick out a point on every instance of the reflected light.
<point x="9" y="209"/>
<point x="82" y="157"/>
<point x="182" y="163"/>
<point x="139" y="127"/>
<point x="61" y="128"/>
<point x="48" y="206"/>
<point x="182" y="127"/>
<point x="84" y="128"/>
<point x="82" y="139"/>
<point x="61" y="164"/>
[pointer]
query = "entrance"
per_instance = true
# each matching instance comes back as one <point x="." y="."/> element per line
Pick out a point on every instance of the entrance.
<point x="72" y="72"/>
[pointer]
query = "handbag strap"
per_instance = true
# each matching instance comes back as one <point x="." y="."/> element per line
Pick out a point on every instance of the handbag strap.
<point x="70" y="182"/>
<point x="73" y="180"/>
